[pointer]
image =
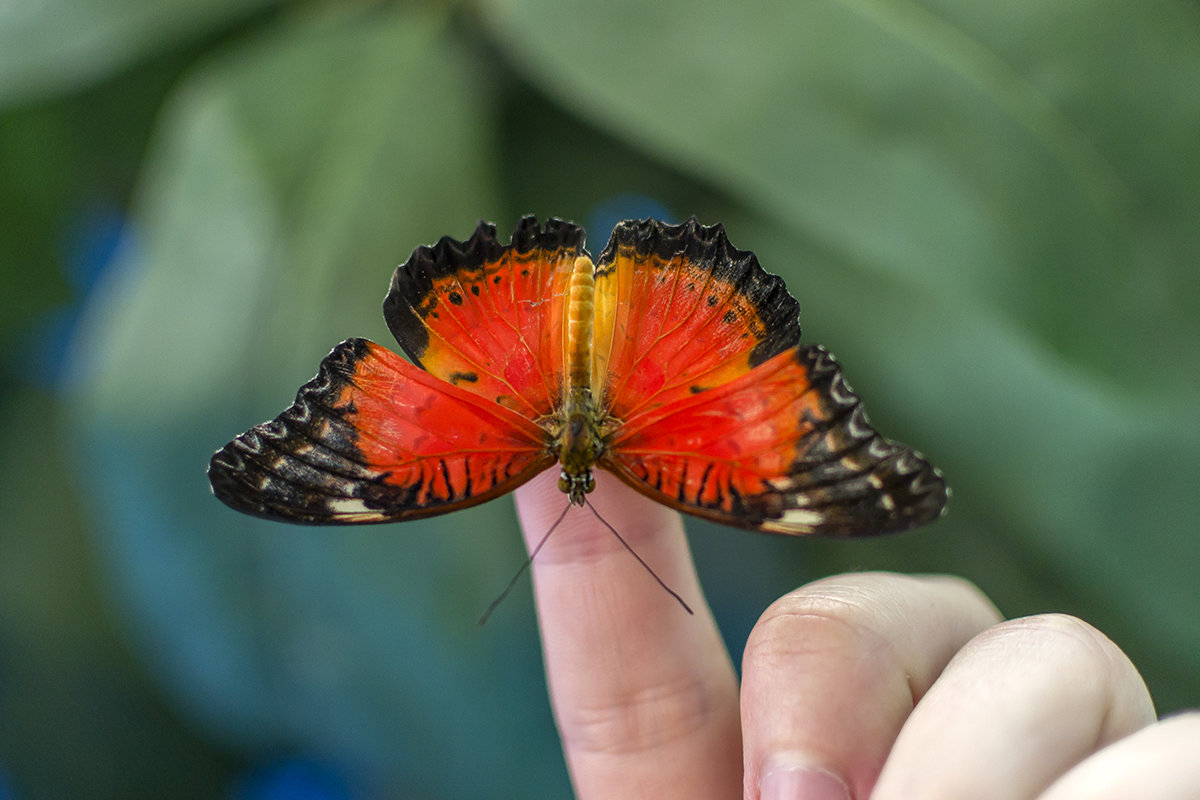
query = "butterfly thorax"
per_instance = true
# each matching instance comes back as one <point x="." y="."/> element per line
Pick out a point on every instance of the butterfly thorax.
<point x="580" y="445"/>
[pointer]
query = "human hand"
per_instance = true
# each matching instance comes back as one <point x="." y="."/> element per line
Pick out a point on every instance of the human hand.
<point x="866" y="685"/>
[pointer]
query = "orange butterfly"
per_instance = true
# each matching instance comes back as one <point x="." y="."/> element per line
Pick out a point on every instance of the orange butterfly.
<point x="672" y="360"/>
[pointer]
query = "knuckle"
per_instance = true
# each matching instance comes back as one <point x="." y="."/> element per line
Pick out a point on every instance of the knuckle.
<point x="869" y="626"/>
<point x="812" y="621"/>
<point x="859" y="610"/>
<point x="641" y="719"/>
<point x="1067" y="637"/>
<point x="1103" y="681"/>
<point x="1066" y="645"/>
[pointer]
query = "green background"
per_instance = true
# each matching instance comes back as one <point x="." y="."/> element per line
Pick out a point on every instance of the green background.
<point x="990" y="212"/>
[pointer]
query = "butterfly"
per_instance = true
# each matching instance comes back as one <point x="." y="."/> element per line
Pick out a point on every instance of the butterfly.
<point x="672" y="360"/>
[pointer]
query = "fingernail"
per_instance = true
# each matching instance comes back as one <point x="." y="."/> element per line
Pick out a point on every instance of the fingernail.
<point x="794" y="782"/>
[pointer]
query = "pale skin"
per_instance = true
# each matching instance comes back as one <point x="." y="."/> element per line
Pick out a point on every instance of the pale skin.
<point x="871" y="685"/>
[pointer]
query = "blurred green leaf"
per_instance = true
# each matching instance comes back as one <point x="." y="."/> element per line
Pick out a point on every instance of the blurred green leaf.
<point x="77" y="716"/>
<point x="999" y="156"/>
<point x="65" y="162"/>
<point x="49" y="46"/>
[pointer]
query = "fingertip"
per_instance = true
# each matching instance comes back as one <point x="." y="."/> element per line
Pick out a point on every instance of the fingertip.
<point x="581" y="536"/>
<point x="538" y="502"/>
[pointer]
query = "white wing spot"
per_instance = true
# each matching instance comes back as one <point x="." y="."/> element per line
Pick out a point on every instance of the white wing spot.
<point x="878" y="448"/>
<point x="857" y="425"/>
<point x="799" y="519"/>
<point x="352" y="507"/>
<point x="840" y="391"/>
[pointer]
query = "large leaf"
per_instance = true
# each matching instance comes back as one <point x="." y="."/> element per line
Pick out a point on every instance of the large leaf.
<point x="1042" y="160"/>
<point x="53" y="45"/>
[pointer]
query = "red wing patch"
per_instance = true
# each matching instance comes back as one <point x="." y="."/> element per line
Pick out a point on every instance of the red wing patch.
<point x="373" y="438"/>
<point x="486" y="316"/>
<point x="785" y="448"/>
<point x="691" y="312"/>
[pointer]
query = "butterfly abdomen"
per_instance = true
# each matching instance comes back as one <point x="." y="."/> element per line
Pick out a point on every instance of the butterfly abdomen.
<point x="580" y="313"/>
<point x="580" y="444"/>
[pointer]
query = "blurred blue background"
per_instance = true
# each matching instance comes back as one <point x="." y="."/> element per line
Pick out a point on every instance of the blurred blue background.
<point x="990" y="212"/>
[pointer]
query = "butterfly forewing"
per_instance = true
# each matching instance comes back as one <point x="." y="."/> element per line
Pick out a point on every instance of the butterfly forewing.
<point x="484" y="316"/>
<point x="375" y="439"/>
<point x="690" y="312"/>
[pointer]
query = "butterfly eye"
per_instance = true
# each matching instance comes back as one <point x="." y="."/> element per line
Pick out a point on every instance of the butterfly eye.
<point x="591" y="484"/>
<point x="564" y="483"/>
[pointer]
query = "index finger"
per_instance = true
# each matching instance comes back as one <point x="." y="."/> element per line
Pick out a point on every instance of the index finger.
<point x="644" y="694"/>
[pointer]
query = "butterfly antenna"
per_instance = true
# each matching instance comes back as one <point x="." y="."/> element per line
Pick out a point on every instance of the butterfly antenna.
<point x="633" y="552"/>
<point x="532" y="554"/>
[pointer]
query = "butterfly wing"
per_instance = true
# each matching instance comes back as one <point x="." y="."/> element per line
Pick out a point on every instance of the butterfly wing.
<point x="785" y="448"/>
<point x="373" y="438"/>
<point x="680" y="310"/>
<point x="488" y="317"/>
<point x="716" y="410"/>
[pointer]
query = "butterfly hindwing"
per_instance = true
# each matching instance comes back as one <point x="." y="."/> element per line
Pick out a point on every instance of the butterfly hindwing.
<point x="373" y="438"/>
<point x="786" y="448"/>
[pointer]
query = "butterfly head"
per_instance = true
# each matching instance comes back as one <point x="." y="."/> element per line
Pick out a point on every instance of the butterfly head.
<point x="576" y="486"/>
